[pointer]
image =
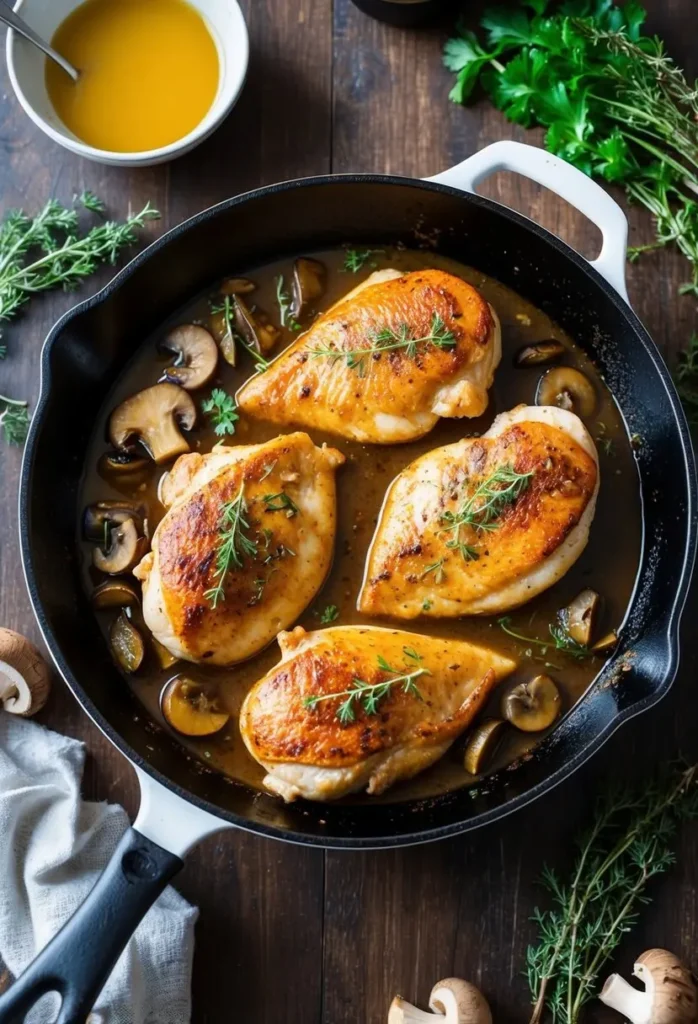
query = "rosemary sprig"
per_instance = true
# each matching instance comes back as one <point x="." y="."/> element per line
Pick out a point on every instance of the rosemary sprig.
<point x="369" y="696"/>
<point x="14" y="420"/>
<point x="284" y="302"/>
<point x="226" y="308"/>
<point x="485" y="506"/>
<point x="629" y="842"/>
<point x="388" y="340"/>
<point x="281" y="502"/>
<point x="356" y="259"/>
<point x="222" y="410"/>
<point x="560" y="639"/>
<point x="234" y="546"/>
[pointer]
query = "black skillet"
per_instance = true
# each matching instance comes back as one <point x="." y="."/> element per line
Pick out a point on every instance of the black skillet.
<point x="90" y="347"/>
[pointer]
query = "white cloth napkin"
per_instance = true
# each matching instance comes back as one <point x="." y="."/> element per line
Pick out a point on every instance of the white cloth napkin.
<point x="53" y="846"/>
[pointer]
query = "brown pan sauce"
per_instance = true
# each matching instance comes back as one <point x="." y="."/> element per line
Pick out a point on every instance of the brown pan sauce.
<point x="608" y="565"/>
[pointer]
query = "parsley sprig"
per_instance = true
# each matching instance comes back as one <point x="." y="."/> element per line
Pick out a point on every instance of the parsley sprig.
<point x="222" y="410"/>
<point x="388" y="340"/>
<point x="484" y="508"/>
<point x="369" y="695"/>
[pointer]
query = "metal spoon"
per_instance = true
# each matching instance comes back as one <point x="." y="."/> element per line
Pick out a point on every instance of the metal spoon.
<point x="8" y="16"/>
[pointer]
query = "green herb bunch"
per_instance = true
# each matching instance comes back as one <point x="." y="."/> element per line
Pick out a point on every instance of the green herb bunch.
<point x="630" y="841"/>
<point x="612" y="103"/>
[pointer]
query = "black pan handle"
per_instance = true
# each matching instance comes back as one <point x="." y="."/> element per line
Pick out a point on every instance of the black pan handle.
<point x="78" y="961"/>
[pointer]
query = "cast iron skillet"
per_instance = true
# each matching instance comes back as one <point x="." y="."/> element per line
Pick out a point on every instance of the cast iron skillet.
<point x="89" y="348"/>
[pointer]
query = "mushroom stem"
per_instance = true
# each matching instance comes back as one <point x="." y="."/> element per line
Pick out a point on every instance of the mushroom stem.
<point x="402" y="1012"/>
<point x="621" y="996"/>
<point x="452" y="1001"/>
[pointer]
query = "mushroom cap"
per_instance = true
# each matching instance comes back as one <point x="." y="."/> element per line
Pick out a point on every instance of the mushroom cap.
<point x="197" y="356"/>
<point x="125" y="549"/>
<point x="25" y="678"/>
<point x="533" y="705"/>
<point x="460" y="1002"/>
<point x="670" y="985"/>
<point x="567" y="388"/>
<point x="152" y="416"/>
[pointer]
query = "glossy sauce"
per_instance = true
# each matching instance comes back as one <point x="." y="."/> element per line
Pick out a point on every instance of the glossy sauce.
<point x="149" y="73"/>
<point x="608" y="564"/>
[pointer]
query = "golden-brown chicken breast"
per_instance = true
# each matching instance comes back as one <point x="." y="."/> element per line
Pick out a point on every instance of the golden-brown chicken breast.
<point x="357" y="706"/>
<point x="244" y="548"/>
<point x="485" y="524"/>
<point x="386" y="361"/>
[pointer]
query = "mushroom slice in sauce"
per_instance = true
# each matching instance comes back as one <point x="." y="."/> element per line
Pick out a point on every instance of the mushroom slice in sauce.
<point x="153" y="417"/>
<point x="124" y="549"/>
<point x="126" y="644"/>
<point x="540" y="353"/>
<point x="579" y="617"/>
<point x="532" y="706"/>
<point x="259" y="335"/>
<point x="308" y="283"/>
<point x="567" y="388"/>
<point x="237" y="286"/>
<point x="606" y="643"/>
<point x="481" y="745"/>
<point x="100" y="517"/>
<point x="190" y="709"/>
<point x="114" y="594"/>
<point x="197" y="356"/>
<point x="123" y="470"/>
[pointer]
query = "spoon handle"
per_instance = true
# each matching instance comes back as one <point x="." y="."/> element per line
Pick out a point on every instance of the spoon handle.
<point x="12" y="20"/>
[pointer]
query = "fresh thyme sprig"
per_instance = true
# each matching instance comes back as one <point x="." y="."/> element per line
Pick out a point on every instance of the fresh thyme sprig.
<point x="281" y="502"/>
<point x="388" y="340"/>
<point x="369" y="696"/>
<point x="485" y="507"/>
<point x="356" y="259"/>
<point x="560" y="639"/>
<point x="284" y="301"/>
<point x="222" y="410"/>
<point x="234" y="545"/>
<point x="226" y="309"/>
<point x="629" y="842"/>
<point x="14" y="420"/>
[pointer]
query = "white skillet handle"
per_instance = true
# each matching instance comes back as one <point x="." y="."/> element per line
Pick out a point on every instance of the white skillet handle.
<point x="170" y="821"/>
<point x="562" y="178"/>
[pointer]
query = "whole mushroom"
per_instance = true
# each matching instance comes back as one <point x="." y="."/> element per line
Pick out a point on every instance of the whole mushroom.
<point x="669" y="996"/>
<point x="25" y="679"/>
<point x="153" y="417"/>
<point x="452" y="1001"/>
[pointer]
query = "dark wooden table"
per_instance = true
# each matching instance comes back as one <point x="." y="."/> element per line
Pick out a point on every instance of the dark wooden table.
<point x="294" y="935"/>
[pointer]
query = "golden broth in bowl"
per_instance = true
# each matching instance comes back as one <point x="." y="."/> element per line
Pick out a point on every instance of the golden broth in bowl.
<point x="149" y="73"/>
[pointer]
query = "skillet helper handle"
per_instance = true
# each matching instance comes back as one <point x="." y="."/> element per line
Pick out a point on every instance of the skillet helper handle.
<point x="572" y="185"/>
<point x="79" y="959"/>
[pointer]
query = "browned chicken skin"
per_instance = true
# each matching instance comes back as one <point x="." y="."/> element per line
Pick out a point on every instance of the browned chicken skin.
<point x="285" y="543"/>
<point x="293" y="724"/>
<point x="396" y="394"/>
<point x="415" y="565"/>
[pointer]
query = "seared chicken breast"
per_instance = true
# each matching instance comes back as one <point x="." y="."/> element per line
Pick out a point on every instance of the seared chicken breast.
<point x="384" y="363"/>
<point x="357" y="707"/>
<point x="483" y="525"/>
<point x="244" y="547"/>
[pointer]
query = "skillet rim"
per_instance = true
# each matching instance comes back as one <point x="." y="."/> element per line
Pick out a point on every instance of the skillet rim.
<point x="668" y="633"/>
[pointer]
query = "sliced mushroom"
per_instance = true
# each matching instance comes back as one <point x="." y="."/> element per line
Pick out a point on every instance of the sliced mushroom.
<point x="567" y="388"/>
<point x="165" y="658"/>
<point x="114" y="594"/>
<point x="124" y="549"/>
<point x="218" y="324"/>
<point x="237" y="286"/>
<point x="197" y="356"/>
<point x="100" y="517"/>
<point x="126" y="644"/>
<point x="152" y="417"/>
<point x="124" y="471"/>
<point x="452" y="1001"/>
<point x="670" y="995"/>
<point x="482" y="743"/>
<point x="308" y="283"/>
<point x="534" y="705"/>
<point x="539" y="354"/>
<point x="606" y="643"/>
<point x="25" y="679"/>
<point x="254" y="328"/>
<point x="190" y="709"/>
<point x="579" y="617"/>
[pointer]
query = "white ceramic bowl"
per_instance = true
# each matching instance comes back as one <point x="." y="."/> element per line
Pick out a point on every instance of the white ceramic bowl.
<point x="26" y="67"/>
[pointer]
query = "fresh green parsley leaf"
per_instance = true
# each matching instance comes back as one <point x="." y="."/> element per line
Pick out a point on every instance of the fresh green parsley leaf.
<point x="330" y="614"/>
<point x="222" y="410"/>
